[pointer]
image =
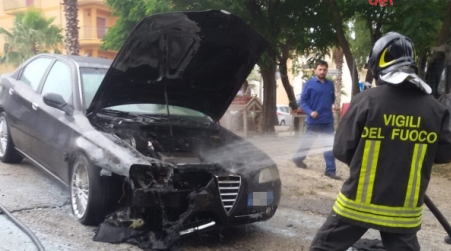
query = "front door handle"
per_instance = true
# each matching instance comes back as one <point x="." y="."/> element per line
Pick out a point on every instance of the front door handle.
<point x="11" y="91"/>
<point x="34" y="105"/>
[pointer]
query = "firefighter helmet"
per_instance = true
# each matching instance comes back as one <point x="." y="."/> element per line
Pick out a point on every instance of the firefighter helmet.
<point x="391" y="52"/>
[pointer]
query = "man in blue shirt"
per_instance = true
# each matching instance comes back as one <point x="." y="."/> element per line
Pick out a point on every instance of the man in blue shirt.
<point x="318" y="96"/>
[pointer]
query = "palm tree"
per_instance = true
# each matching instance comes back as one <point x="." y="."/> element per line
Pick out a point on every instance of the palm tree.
<point x="71" y="14"/>
<point x="31" y="34"/>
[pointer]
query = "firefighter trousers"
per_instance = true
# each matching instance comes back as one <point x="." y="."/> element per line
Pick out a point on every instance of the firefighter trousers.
<point x="337" y="235"/>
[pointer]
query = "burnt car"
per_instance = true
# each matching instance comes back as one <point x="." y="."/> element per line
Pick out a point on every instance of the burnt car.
<point x="137" y="139"/>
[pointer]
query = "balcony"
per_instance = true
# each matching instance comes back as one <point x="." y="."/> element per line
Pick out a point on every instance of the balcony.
<point x="91" y="34"/>
<point x="85" y="2"/>
<point x="11" y="6"/>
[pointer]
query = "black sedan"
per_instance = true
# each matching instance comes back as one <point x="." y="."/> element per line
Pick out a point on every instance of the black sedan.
<point x="137" y="139"/>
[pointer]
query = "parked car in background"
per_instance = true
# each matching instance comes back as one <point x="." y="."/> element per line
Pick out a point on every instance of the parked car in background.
<point x="139" y="136"/>
<point x="283" y="115"/>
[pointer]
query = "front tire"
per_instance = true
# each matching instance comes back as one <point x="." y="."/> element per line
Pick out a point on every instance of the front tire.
<point x="282" y="123"/>
<point x="7" y="152"/>
<point x="90" y="193"/>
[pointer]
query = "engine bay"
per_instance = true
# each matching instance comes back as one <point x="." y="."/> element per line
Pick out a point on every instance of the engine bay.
<point x="169" y="140"/>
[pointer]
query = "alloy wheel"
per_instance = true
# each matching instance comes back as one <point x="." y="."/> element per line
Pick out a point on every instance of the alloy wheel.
<point x="80" y="189"/>
<point x="3" y="136"/>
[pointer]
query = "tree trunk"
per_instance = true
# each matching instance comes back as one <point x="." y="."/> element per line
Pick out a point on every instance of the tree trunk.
<point x="268" y="72"/>
<point x="338" y="58"/>
<point x="71" y="14"/>
<point x="34" y="49"/>
<point x="375" y="35"/>
<point x="437" y="63"/>
<point x="343" y="42"/>
<point x="286" y="83"/>
<point x="422" y="66"/>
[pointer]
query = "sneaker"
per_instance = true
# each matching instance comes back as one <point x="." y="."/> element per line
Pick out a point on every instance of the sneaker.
<point x="333" y="176"/>
<point x="300" y="164"/>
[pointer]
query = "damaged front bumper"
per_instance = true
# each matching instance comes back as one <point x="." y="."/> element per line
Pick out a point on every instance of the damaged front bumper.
<point x="204" y="197"/>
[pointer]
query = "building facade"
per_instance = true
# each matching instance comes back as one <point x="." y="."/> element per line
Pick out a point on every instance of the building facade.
<point x="94" y="20"/>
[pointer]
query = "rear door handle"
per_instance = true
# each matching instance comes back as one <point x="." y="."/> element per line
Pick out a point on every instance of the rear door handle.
<point x="11" y="91"/>
<point x="35" y="106"/>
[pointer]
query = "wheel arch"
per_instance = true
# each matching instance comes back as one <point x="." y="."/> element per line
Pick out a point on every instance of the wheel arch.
<point x="79" y="151"/>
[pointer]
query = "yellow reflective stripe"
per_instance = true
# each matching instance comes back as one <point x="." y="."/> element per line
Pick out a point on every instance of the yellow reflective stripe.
<point x="382" y="62"/>
<point x="362" y="175"/>
<point x="398" y="222"/>
<point x="413" y="186"/>
<point x="378" y="209"/>
<point x="378" y="219"/>
<point x="418" y="180"/>
<point x="368" y="171"/>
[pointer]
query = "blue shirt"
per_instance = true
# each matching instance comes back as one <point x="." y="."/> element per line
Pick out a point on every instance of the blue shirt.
<point x="319" y="97"/>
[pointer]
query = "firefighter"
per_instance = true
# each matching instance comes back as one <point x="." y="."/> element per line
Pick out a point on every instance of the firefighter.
<point x="389" y="137"/>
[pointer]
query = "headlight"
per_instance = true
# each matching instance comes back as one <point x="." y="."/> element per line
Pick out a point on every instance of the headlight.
<point x="268" y="175"/>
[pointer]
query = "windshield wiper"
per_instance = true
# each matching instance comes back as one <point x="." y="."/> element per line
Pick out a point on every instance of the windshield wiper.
<point x="157" y="118"/>
<point x="112" y="112"/>
<point x="193" y="121"/>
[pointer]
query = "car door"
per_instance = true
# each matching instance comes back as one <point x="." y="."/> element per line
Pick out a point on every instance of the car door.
<point x="21" y="102"/>
<point x="53" y="132"/>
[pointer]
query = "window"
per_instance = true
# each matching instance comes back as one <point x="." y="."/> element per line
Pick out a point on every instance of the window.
<point x="101" y="27"/>
<point x="34" y="71"/>
<point x="284" y="109"/>
<point x="59" y="81"/>
<point x="91" y="78"/>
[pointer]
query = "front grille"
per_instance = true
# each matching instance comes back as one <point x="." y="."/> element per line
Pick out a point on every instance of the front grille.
<point x="229" y="187"/>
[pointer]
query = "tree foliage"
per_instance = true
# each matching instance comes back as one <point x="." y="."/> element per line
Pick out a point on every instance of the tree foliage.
<point x="306" y="27"/>
<point x="129" y="13"/>
<point x="418" y="19"/>
<point x="31" y="34"/>
<point x="436" y="64"/>
<point x="361" y="43"/>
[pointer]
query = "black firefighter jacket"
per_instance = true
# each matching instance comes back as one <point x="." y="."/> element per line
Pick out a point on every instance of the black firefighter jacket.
<point x="390" y="137"/>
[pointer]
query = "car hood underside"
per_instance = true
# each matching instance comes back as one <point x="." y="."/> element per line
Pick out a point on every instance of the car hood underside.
<point x="197" y="60"/>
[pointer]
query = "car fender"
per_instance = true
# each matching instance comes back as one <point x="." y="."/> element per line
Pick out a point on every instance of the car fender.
<point x="110" y="152"/>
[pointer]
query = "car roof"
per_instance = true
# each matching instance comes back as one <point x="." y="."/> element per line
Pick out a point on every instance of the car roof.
<point x="85" y="61"/>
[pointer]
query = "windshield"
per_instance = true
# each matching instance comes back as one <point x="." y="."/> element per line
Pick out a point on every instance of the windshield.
<point x="156" y="109"/>
<point x="91" y="78"/>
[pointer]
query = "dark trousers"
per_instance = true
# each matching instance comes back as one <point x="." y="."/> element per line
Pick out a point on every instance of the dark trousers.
<point x="337" y="235"/>
<point x="325" y="132"/>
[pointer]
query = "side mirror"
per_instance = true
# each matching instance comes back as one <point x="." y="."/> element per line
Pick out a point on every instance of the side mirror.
<point x="56" y="101"/>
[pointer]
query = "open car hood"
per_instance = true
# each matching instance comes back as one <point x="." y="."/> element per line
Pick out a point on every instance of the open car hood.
<point x="201" y="59"/>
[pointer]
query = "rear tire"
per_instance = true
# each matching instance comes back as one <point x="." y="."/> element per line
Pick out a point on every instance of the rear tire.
<point x="90" y="193"/>
<point x="7" y="152"/>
